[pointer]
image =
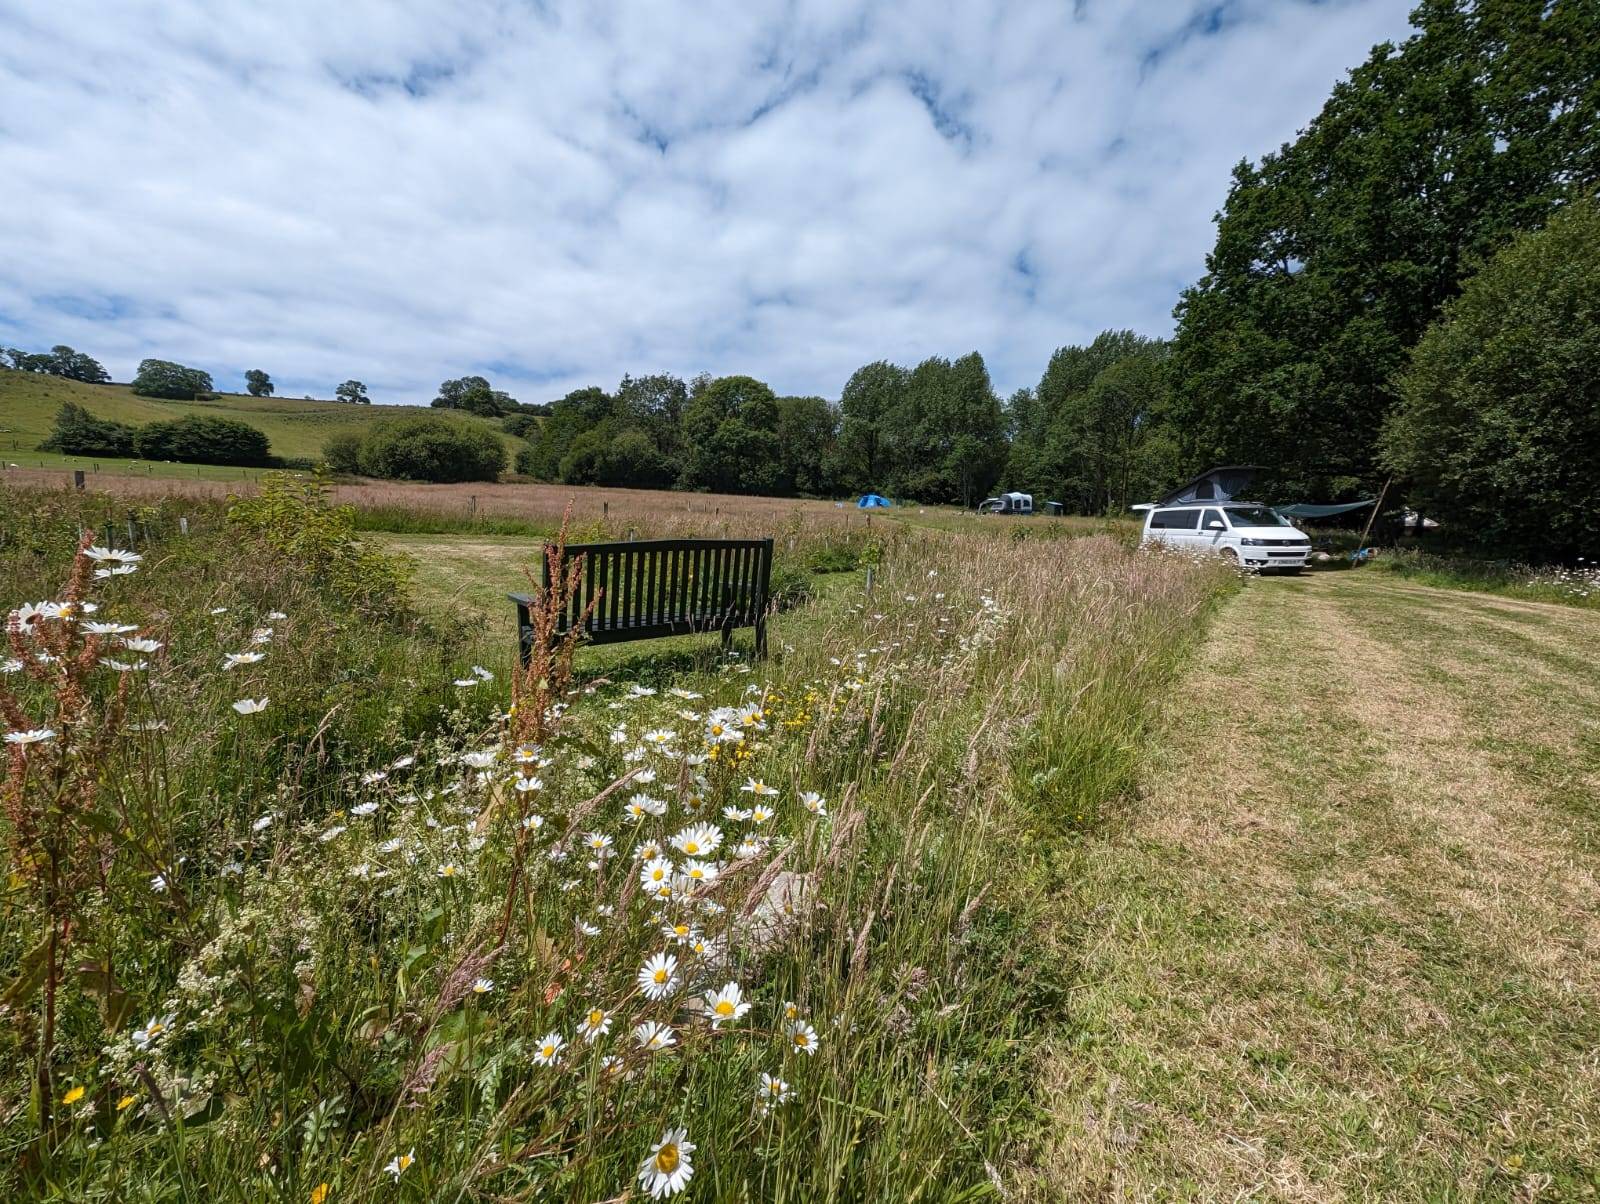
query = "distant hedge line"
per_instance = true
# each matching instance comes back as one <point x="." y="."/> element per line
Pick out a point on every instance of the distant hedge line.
<point x="193" y="439"/>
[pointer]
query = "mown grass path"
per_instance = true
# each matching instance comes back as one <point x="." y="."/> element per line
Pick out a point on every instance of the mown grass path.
<point x="1346" y="942"/>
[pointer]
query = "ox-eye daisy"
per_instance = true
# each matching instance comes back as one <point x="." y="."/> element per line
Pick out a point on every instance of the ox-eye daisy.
<point x="548" y="1052"/>
<point x="667" y="1170"/>
<point x="726" y="1005"/>
<point x="701" y="840"/>
<point x="595" y="1024"/>
<point x="36" y="735"/>
<point x="400" y="1163"/>
<point x="658" y="976"/>
<point x="814" y="802"/>
<point x="758" y="788"/>
<point x="655" y="872"/>
<point x="803" y="1037"/>
<point x="654" y="1036"/>
<point x="482" y="986"/>
<point x="771" y="1091"/>
<point x="250" y="706"/>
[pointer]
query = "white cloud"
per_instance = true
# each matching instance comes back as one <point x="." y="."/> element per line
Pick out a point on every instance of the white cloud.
<point x="557" y="194"/>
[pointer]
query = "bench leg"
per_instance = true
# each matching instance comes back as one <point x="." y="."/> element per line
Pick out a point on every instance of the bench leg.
<point x="761" y="638"/>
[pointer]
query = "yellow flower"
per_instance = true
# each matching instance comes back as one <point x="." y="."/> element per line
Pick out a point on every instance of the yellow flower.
<point x="72" y="1096"/>
<point x="124" y="1103"/>
<point x="319" y="1193"/>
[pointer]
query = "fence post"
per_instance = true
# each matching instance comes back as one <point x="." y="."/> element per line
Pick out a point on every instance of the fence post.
<point x="605" y="509"/>
<point x="130" y="529"/>
<point x="869" y="579"/>
<point x="183" y="524"/>
<point x="77" y="479"/>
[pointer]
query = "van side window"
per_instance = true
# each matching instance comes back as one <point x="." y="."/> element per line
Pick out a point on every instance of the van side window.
<point x="1174" y="520"/>
<point x="1212" y="516"/>
<point x="1203" y="492"/>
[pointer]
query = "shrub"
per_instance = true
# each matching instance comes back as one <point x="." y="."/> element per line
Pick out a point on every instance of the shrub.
<point x="342" y="452"/>
<point x="521" y="425"/>
<point x="293" y="515"/>
<point x="79" y="433"/>
<point x="201" y="439"/>
<point x="163" y="378"/>
<point x="434" y="449"/>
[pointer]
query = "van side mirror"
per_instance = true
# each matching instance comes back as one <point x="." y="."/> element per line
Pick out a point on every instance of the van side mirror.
<point x="1216" y="524"/>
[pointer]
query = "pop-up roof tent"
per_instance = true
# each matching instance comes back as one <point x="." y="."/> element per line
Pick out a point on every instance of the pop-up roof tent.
<point x="1226" y="483"/>
<point x="870" y="501"/>
<point x="1222" y="484"/>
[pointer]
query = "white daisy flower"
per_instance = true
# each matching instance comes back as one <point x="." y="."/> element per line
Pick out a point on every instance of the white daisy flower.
<point x="362" y="810"/>
<point x="771" y="1091"/>
<point x="250" y="706"/>
<point x="549" y="1049"/>
<point x="110" y="628"/>
<point x="726" y="1006"/>
<point x="276" y="615"/>
<point x="141" y="644"/>
<point x="599" y="843"/>
<point x="680" y="932"/>
<point x="262" y="824"/>
<point x="701" y="873"/>
<point x="654" y="1036"/>
<point x="596" y="1023"/>
<point x="658" y="977"/>
<point x="332" y="833"/>
<point x="481" y="673"/>
<point x="124" y="666"/>
<point x="533" y="822"/>
<point x="700" y="840"/>
<point x="111" y="555"/>
<point x="11" y="665"/>
<point x="400" y="1163"/>
<point x="686" y="695"/>
<point x="392" y="845"/>
<point x="481" y="759"/>
<point x="814" y="803"/>
<point x="37" y="735"/>
<point x="482" y="986"/>
<point x="803" y="1037"/>
<point x="758" y="788"/>
<point x="448" y="870"/>
<point x="219" y="610"/>
<point x="232" y="660"/>
<point x="760" y="815"/>
<point x="667" y="1170"/>
<point x="655" y="872"/>
<point x="405" y="762"/>
<point x="529" y="785"/>
<point x="144" y="1038"/>
<point x="159" y="884"/>
<point x="735" y="815"/>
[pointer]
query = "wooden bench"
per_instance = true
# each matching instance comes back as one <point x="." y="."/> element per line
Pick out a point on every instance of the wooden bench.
<point x="647" y="589"/>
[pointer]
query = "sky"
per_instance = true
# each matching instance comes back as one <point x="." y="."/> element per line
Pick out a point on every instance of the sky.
<point x="554" y="194"/>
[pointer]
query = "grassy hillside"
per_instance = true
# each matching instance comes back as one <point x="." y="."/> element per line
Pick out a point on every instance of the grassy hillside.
<point x="297" y="428"/>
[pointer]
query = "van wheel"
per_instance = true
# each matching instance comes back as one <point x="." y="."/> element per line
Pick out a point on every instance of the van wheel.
<point x="1231" y="557"/>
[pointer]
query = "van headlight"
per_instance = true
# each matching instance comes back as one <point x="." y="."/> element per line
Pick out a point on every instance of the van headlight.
<point x="1251" y="543"/>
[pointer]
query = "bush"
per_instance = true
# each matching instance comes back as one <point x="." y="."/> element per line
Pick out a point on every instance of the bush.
<point x="79" y="433"/>
<point x="521" y="425"/>
<point x="201" y="439"/>
<point x="342" y="453"/>
<point x="433" y="449"/>
<point x="293" y="516"/>
<point x="163" y="378"/>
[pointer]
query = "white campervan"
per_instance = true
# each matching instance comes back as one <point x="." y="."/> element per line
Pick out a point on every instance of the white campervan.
<point x="1246" y="533"/>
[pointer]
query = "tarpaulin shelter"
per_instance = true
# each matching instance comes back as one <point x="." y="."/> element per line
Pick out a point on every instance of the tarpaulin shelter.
<point x="1307" y="510"/>
<point x="871" y="501"/>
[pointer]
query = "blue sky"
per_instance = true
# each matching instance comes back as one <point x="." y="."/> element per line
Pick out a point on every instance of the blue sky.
<point x="555" y="193"/>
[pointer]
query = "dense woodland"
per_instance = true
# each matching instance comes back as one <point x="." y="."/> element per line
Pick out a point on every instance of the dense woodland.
<point x="1327" y="340"/>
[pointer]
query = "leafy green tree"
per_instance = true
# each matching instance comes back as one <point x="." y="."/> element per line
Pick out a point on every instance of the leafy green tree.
<point x="60" y="360"/>
<point x="570" y="416"/>
<point x="808" y="431"/>
<point x="945" y="440"/>
<point x="871" y="394"/>
<point x="353" y="392"/>
<point x="1336" y="252"/>
<point x="202" y="439"/>
<point x="730" y="436"/>
<point x="1499" y="420"/>
<point x="431" y="448"/>
<point x="258" y="383"/>
<point x="1095" y="431"/>
<point x="76" y="432"/>
<point x="163" y="378"/>
<point x="475" y="395"/>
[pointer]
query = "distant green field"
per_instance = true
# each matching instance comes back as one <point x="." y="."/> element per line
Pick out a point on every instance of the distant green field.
<point x="296" y="428"/>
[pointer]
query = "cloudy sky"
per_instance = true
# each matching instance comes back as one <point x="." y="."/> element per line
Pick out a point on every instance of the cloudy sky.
<point x="553" y="194"/>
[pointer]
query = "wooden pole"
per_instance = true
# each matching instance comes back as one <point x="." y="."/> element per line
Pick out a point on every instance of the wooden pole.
<point x="1373" y="517"/>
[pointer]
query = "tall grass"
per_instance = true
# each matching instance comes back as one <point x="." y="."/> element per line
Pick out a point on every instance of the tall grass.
<point x="339" y="871"/>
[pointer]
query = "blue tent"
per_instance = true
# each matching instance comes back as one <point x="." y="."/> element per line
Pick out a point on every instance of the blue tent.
<point x="869" y="501"/>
